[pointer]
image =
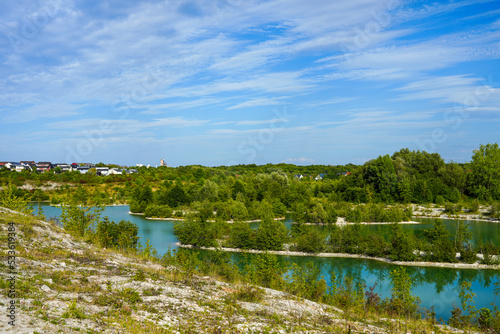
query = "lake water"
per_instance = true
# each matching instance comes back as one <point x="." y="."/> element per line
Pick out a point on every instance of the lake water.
<point x="435" y="286"/>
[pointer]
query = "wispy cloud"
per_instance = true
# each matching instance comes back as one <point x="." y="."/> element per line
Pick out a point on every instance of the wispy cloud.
<point x="257" y="103"/>
<point x="351" y="72"/>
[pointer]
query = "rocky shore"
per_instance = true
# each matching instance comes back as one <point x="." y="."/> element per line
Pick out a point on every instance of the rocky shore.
<point x="476" y="265"/>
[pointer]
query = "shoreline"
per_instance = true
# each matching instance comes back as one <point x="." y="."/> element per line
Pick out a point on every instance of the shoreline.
<point x="210" y="221"/>
<point x="488" y="220"/>
<point x="357" y="256"/>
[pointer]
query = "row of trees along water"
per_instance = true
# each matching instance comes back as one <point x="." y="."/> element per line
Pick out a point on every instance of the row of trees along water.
<point x="434" y="244"/>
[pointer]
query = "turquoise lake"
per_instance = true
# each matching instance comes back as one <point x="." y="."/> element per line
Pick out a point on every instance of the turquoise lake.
<point x="434" y="286"/>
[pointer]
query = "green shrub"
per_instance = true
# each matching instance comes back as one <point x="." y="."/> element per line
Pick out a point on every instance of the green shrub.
<point x="271" y="235"/>
<point x="74" y="312"/>
<point x="249" y="293"/>
<point x="241" y="236"/>
<point x="122" y="235"/>
<point x="197" y="233"/>
<point x="311" y="241"/>
<point x="130" y="296"/>
<point x="158" y="211"/>
<point x="439" y="200"/>
<point x="452" y="209"/>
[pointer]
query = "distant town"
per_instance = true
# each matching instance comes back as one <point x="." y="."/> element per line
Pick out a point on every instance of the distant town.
<point x="83" y="168"/>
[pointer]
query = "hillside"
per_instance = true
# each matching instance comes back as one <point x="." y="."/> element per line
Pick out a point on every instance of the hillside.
<point x="69" y="286"/>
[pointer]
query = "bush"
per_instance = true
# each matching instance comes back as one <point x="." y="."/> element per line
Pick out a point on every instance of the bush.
<point x="452" y="209"/>
<point x="122" y="235"/>
<point x="494" y="211"/>
<point x="158" y="211"/>
<point x="468" y="255"/>
<point x="474" y="206"/>
<point x="242" y="236"/>
<point x="197" y="233"/>
<point x="312" y="241"/>
<point x="490" y="253"/>
<point x="439" y="200"/>
<point x="137" y="207"/>
<point x="249" y="293"/>
<point x="271" y="235"/>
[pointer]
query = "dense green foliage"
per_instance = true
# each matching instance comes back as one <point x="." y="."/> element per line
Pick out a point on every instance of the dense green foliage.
<point x="196" y="232"/>
<point x="122" y="235"/>
<point x="14" y="199"/>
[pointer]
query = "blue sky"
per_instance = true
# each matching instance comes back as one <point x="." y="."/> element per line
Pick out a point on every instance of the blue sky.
<point x="246" y="81"/>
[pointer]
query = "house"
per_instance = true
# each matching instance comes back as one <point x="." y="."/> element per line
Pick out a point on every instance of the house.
<point x="21" y="168"/>
<point x="132" y="171"/>
<point x="82" y="169"/>
<point x="30" y="165"/>
<point x="115" y="171"/>
<point x="15" y="166"/>
<point x="43" y="166"/>
<point x="343" y="173"/>
<point x="63" y="167"/>
<point x="102" y="171"/>
<point x="320" y="177"/>
<point x="299" y="176"/>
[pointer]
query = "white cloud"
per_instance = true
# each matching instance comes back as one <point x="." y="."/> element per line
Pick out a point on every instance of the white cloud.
<point x="256" y="103"/>
<point x="460" y="89"/>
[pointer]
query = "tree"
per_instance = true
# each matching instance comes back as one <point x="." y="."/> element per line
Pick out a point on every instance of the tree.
<point x="463" y="237"/>
<point x="310" y="241"/>
<point x="440" y="247"/>
<point x="380" y="173"/>
<point x="146" y="195"/>
<point x="242" y="236"/>
<point x="122" y="235"/>
<point x="403" y="244"/>
<point x="197" y="233"/>
<point x="81" y="213"/>
<point x="484" y="178"/>
<point x="177" y="196"/>
<point x="237" y="188"/>
<point x="209" y="191"/>
<point x="402" y="300"/>
<point x="271" y="235"/>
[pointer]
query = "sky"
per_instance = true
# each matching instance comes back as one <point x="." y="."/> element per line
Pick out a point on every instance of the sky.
<point x="228" y="82"/>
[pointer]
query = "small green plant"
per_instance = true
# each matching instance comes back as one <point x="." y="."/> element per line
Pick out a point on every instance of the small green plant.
<point x="249" y="293"/>
<point x="74" y="312"/>
<point x="108" y="300"/>
<point x="151" y="292"/>
<point x="139" y="275"/>
<point x="130" y="296"/>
